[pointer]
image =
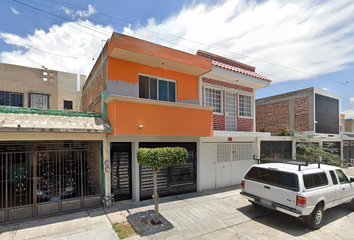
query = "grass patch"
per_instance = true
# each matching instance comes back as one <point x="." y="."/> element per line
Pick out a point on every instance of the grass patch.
<point x="123" y="229"/>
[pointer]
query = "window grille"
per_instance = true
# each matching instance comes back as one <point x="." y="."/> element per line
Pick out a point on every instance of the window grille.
<point x="230" y="109"/>
<point x="224" y="152"/>
<point x="245" y="105"/>
<point x="39" y="101"/>
<point x="11" y="99"/>
<point x="213" y="99"/>
<point x="242" y="151"/>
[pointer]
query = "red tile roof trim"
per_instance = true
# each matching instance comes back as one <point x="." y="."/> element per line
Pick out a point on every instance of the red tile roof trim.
<point x="239" y="70"/>
<point x="232" y="65"/>
<point x="227" y="61"/>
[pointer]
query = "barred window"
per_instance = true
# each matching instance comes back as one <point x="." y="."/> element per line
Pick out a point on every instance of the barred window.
<point x="213" y="99"/>
<point x="11" y="99"/>
<point x="245" y="106"/>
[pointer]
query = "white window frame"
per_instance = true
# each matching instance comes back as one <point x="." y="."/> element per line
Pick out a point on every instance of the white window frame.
<point x="157" y="90"/>
<point x="221" y="99"/>
<point x="236" y="113"/>
<point x="251" y="106"/>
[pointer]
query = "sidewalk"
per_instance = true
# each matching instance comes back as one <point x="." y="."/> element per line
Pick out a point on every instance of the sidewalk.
<point x="213" y="214"/>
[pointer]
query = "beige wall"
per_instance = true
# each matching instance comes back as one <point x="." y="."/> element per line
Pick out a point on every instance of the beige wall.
<point x="59" y="86"/>
<point x="349" y="125"/>
<point x="67" y="90"/>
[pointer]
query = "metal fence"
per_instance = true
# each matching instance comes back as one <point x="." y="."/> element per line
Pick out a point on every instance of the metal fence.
<point x="39" y="179"/>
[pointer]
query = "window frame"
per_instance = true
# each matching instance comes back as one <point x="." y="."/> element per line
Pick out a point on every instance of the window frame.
<point x="157" y="86"/>
<point x="221" y="99"/>
<point x="17" y="93"/>
<point x="239" y="106"/>
<point x="43" y="94"/>
<point x="72" y="104"/>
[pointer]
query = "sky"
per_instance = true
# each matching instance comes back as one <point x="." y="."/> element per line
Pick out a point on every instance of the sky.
<point x="295" y="43"/>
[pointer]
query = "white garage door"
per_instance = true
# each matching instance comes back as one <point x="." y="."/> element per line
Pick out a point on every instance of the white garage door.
<point x="224" y="164"/>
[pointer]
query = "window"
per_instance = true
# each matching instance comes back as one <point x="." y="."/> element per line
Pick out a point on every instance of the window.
<point x="68" y="105"/>
<point x="245" y="106"/>
<point x="39" y="101"/>
<point x="342" y="177"/>
<point x="334" y="178"/>
<point x="276" y="149"/>
<point x="213" y="99"/>
<point x="315" y="180"/>
<point x="11" y="99"/>
<point x="273" y="177"/>
<point x="157" y="89"/>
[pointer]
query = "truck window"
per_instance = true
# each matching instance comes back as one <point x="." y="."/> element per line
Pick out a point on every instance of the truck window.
<point x="315" y="180"/>
<point x="273" y="177"/>
<point x="334" y="178"/>
<point x="341" y="176"/>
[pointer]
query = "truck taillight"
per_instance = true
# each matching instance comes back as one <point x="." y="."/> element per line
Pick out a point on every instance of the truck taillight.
<point x="300" y="201"/>
<point x="243" y="184"/>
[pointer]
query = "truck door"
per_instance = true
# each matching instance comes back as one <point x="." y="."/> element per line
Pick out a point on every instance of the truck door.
<point x="337" y="190"/>
<point x="346" y="186"/>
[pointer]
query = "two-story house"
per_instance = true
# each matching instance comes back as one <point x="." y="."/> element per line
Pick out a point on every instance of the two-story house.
<point x="156" y="96"/>
<point x="307" y="112"/>
<point x="51" y="157"/>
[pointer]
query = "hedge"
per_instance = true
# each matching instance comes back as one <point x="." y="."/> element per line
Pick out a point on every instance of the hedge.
<point x="162" y="157"/>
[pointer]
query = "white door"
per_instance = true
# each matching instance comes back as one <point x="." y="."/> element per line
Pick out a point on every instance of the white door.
<point x="223" y="165"/>
<point x="230" y="112"/>
<point x="208" y="166"/>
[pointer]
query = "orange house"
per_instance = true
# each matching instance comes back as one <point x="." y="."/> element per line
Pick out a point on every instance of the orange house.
<point x="150" y="94"/>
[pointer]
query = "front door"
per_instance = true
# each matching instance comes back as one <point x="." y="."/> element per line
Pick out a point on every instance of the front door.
<point x="121" y="171"/>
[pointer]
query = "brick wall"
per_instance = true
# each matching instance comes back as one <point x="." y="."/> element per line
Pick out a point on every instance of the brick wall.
<point x="275" y="116"/>
<point x="95" y="84"/>
<point x="302" y="114"/>
<point x="243" y="124"/>
<point x="272" y="117"/>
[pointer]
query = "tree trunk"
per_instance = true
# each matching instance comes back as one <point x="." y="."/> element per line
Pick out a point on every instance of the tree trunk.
<point x="155" y="196"/>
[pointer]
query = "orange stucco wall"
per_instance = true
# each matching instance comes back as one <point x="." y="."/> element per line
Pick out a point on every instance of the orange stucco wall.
<point x="141" y="46"/>
<point x="187" y="85"/>
<point x="159" y="120"/>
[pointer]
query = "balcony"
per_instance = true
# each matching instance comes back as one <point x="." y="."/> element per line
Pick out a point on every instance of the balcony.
<point x="136" y="116"/>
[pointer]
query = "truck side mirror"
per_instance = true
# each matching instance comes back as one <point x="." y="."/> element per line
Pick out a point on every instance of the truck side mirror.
<point x="351" y="180"/>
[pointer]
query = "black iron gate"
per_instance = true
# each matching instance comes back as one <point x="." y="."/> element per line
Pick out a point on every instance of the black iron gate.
<point x="171" y="180"/>
<point x="40" y="179"/>
<point x="121" y="186"/>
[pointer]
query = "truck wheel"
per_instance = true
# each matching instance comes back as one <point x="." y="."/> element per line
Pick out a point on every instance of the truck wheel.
<point x="317" y="217"/>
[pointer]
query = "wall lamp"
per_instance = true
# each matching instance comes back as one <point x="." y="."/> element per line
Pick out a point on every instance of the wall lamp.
<point x="141" y="126"/>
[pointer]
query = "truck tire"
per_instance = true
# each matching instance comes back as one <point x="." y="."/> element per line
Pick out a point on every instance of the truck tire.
<point x="317" y="216"/>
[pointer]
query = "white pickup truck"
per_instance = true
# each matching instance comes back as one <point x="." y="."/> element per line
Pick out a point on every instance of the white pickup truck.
<point x="297" y="190"/>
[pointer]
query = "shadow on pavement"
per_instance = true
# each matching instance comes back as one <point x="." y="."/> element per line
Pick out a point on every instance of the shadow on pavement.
<point x="287" y="224"/>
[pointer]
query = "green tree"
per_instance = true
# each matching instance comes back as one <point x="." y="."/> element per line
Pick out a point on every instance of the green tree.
<point x="157" y="158"/>
<point x="316" y="153"/>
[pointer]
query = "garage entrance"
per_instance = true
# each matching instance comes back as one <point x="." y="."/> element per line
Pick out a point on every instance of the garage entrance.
<point x="40" y="179"/>
<point x="171" y="180"/>
<point x="224" y="164"/>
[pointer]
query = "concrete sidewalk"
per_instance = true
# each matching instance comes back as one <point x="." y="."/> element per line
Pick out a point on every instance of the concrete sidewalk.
<point x="212" y="214"/>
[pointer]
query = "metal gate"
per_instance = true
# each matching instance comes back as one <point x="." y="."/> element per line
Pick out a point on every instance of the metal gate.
<point x="121" y="186"/>
<point x="171" y="180"/>
<point x="39" y="179"/>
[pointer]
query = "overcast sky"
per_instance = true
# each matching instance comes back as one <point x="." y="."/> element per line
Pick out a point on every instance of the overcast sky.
<point x="297" y="44"/>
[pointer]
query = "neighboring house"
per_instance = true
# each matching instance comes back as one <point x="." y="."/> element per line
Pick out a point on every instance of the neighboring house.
<point x="51" y="161"/>
<point x="311" y="111"/>
<point x="230" y="88"/>
<point x="347" y="135"/>
<point x="39" y="88"/>
<point x="155" y="96"/>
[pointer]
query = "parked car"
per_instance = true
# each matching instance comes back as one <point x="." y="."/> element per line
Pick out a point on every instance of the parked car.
<point x="299" y="189"/>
